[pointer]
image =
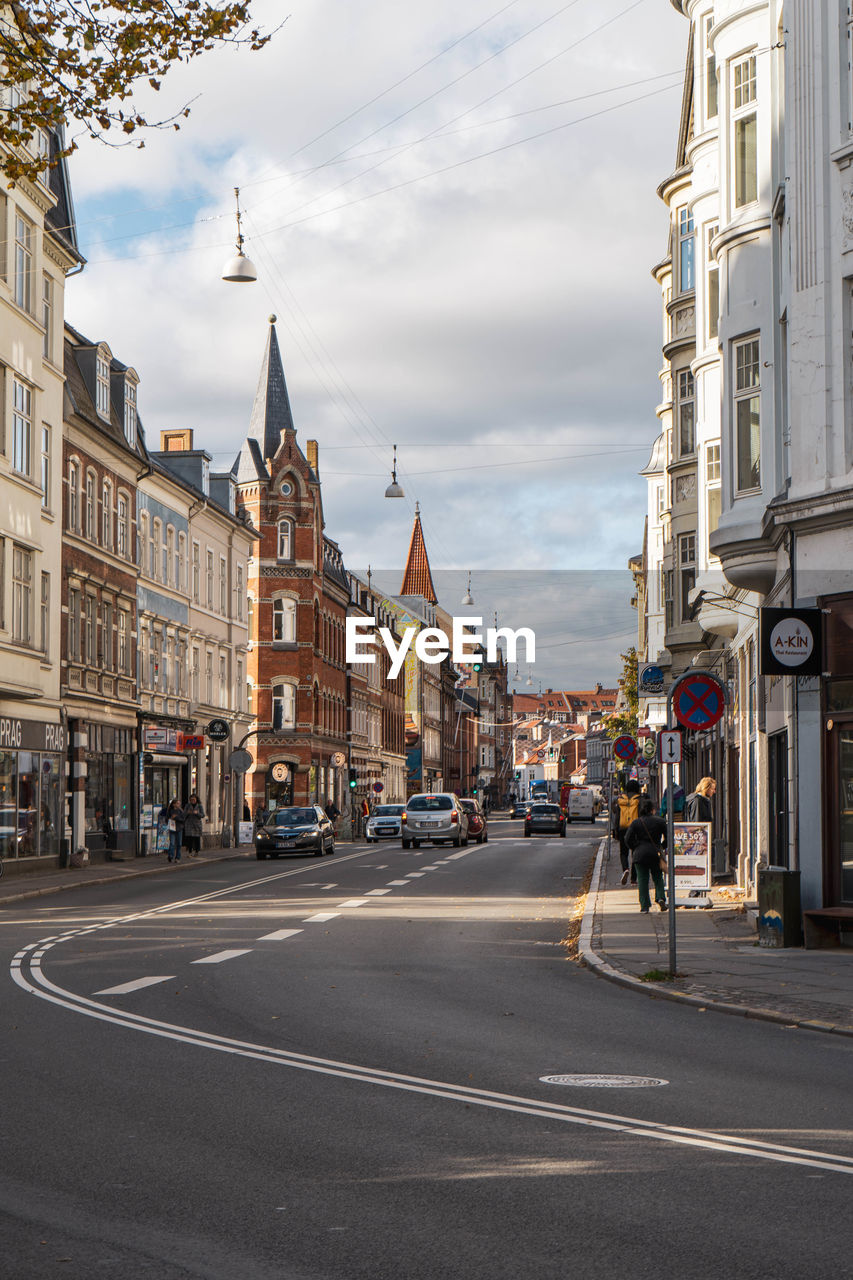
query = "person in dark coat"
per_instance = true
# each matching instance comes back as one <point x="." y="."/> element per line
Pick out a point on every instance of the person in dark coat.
<point x="173" y="816"/>
<point x="193" y="818"/>
<point x="646" y="838"/>
<point x="698" y="806"/>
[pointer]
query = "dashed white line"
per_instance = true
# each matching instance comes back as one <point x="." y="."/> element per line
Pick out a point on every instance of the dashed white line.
<point x="395" y="883"/>
<point x="220" y="956"/>
<point x="321" y="917"/>
<point x="279" y="935"/>
<point x="414" y="875"/>
<point x="353" y="902"/>
<point x="126" y="987"/>
<point x="375" y="893"/>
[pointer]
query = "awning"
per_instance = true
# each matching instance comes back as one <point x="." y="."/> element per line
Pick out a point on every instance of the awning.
<point x="166" y="757"/>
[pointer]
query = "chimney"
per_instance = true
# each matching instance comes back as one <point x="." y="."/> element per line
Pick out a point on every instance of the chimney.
<point x="176" y="441"/>
<point x="313" y="457"/>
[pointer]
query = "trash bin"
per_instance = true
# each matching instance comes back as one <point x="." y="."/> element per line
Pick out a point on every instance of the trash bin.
<point x="780" y="921"/>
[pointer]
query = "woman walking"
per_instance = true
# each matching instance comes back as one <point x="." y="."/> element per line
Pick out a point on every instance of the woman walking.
<point x="173" y="816"/>
<point x="193" y="816"/>
<point x="646" y="838"/>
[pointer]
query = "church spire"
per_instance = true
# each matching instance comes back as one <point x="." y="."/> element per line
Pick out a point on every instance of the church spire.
<point x="417" y="578"/>
<point x="271" y="412"/>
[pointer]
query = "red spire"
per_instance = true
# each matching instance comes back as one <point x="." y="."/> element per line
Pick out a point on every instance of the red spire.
<point x="417" y="578"/>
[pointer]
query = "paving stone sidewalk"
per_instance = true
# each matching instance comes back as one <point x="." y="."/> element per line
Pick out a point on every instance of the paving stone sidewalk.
<point x="719" y="962"/>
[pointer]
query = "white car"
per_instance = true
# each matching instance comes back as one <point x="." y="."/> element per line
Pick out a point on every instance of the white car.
<point x="581" y="805"/>
<point x="384" y="822"/>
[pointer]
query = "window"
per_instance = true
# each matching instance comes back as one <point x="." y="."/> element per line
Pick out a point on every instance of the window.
<point x="209" y="568"/>
<point x="156" y="548"/>
<point x="196" y="674"/>
<point x="107" y="516"/>
<point x="23" y="284"/>
<point x="169" y="557"/>
<point x="747" y="414"/>
<point x="686" y="413"/>
<point x="123" y="646"/>
<point x="250" y="616"/>
<point x="285" y="540"/>
<point x="240" y="685"/>
<point x="196" y="572"/>
<point x="47" y="315"/>
<point x="660" y="501"/>
<point x="45" y="466"/>
<point x="45" y="613"/>
<point x="74" y="624"/>
<point x="223" y="585"/>
<point x="687" y="570"/>
<point x="107" y="636"/>
<point x="745" y="126"/>
<point x="180" y="662"/>
<point x="74" y="497"/>
<point x="713" y="463"/>
<point x="90" y="609"/>
<point x="711" y="108"/>
<point x="168" y="661"/>
<point x="239" y="593"/>
<point x="208" y="676"/>
<point x="89" y="527"/>
<point x="156" y="659"/>
<point x="130" y="412"/>
<point x="102" y="386"/>
<point x="181" y="567"/>
<point x="22" y="427"/>
<point x="713" y="304"/>
<point x="283" y="706"/>
<point x="122" y="526"/>
<point x="284" y="620"/>
<point x="222" y="680"/>
<point x="685" y="249"/>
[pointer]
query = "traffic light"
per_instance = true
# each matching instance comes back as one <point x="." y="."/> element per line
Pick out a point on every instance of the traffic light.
<point x="477" y="664"/>
<point x="517" y="774"/>
<point x="353" y="779"/>
<point x="475" y="793"/>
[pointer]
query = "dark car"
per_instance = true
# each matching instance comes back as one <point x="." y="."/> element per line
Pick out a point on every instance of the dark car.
<point x="297" y="830"/>
<point x="478" y="826"/>
<point x="518" y="808"/>
<point x="544" y="817"/>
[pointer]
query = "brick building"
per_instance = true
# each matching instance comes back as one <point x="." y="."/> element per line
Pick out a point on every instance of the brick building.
<point x="298" y="595"/>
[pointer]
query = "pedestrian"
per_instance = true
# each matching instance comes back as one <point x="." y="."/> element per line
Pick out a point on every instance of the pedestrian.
<point x="193" y="817"/>
<point x="698" y="806"/>
<point x="677" y="805"/>
<point x="334" y="813"/>
<point x="626" y="808"/>
<point x="646" y="839"/>
<point x="173" y="817"/>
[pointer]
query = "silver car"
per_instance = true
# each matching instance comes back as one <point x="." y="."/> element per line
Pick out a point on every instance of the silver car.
<point x="434" y="816"/>
<point x="384" y="822"/>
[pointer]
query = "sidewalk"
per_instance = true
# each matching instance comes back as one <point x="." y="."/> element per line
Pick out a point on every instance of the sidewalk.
<point x="719" y="963"/>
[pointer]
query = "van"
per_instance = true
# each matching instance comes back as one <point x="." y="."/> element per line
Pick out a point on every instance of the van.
<point x="581" y="805"/>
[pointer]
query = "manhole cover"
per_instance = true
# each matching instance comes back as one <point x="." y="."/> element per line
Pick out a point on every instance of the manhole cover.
<point x="606" y="1082"/>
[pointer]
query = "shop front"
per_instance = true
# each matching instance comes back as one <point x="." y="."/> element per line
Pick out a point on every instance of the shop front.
<point x="163" y="776"/>
<point x="838" y="751"/>
<point x="32" y="786"/>
<point x="109" y="817"/>
<point x="279" y="784"/>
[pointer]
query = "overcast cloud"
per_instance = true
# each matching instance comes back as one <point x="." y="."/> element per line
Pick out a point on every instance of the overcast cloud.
<point x="496" y="320"/>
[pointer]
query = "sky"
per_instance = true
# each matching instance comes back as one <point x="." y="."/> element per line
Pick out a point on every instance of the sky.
<point x="453" y="215"/>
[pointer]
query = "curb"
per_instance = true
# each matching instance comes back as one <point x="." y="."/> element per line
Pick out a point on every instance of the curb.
<point x="604" y="969"/>
<point x="106" y="879"/>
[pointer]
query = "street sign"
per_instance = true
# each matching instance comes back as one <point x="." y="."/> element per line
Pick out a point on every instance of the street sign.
<point x="649" y="748"/>
<point x="625" y="748"/>
<point x="378" y="786"/>
<point x="339" y="759"/>
<point x="698" y="701"/>
<point x="670" y="743"/>
<point x="240" y="761"/>
<point x="191" y="742"/>
<point x="650" y="680"/>
<point x="218" y="730"/>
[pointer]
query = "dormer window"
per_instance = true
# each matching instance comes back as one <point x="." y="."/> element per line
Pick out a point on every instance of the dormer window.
<point x="130" y="412"/>
<point x="102" y="386"/>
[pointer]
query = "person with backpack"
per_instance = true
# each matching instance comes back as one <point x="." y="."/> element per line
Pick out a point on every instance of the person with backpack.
<point x="625" y="810"/>
<point x="646" y="839"/>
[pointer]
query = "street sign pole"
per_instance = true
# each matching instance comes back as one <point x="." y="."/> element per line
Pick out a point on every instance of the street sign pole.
<point x="712" y="715"/>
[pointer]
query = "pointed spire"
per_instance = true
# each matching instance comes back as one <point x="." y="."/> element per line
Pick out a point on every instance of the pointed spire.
<point x="417" y="578"/>
<point x="271" y="411"/>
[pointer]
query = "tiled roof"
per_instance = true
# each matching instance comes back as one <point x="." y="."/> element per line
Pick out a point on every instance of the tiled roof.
<point x="417" y="578"/>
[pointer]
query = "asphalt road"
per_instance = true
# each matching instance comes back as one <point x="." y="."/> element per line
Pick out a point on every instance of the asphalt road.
<point x="317" y="1069"/>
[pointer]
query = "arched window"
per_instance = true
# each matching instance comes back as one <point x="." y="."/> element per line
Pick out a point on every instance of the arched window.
<point x="285" y="540"/>
<point x="89" y="508"/>
<point x="74" y="497"/>
<point x="283" y="706"/>
<point x="284" y="620"/>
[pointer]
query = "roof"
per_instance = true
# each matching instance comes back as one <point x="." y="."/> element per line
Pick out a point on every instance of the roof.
<point x="271" y="412"/>
<point x="417" y="577"/>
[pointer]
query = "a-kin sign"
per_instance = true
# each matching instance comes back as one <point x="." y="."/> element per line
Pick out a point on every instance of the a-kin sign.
<point x="790" y="642"/>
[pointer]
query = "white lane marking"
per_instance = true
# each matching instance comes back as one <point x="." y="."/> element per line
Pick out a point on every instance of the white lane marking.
<point x="393" y="883"/>
<point x="375" y="893"/>
<point x="328" y="886"/>
<point x="415" y="875"/>
<point x="353" y="902"/>
<point x="463" y="853"/>
<point x="279" y="935"/>
<point x="321" y="917"/>
<point x="126" y="987"/>
<point x="220" y="956"/>
<point x="432" y="868"/>
<point x="651" y="1130"/>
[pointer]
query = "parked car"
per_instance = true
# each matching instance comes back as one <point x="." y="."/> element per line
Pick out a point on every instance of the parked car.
<point x="478" y="825"/>
<point x="384" y="823"/>
<point x="435" y="816"/>
<point x="295" y="829"/>
<point x="581" y="805"/>
<point x="544" y="817"/>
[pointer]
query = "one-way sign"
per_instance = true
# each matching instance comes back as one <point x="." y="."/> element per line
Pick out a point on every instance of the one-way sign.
<point x="669" y="746"/>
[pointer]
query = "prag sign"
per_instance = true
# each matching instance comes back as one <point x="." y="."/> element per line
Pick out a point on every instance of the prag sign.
<point x="30" y="735"/>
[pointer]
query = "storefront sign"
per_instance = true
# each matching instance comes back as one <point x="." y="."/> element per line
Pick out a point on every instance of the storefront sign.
<point x="280" y="772"/>
<point x="790" y="642"/>
<point x="191" y="742"/>
<point x="30" y="735"/>
<point x="219" y="730"/>
<point x="650" y="680"/>
<point x="160" y="739"/>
